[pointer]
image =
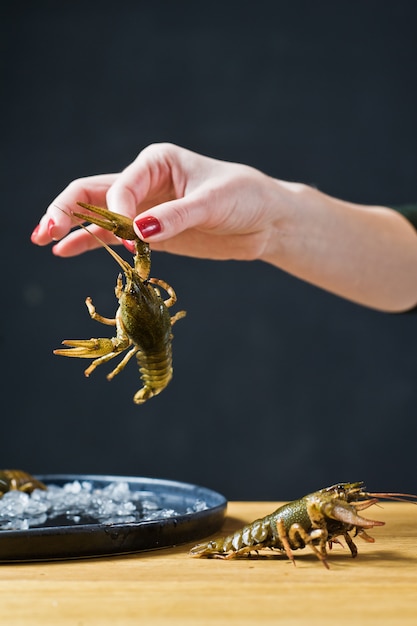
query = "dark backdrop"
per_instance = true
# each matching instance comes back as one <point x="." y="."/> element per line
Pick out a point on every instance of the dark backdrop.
<point x="279" y="388"/>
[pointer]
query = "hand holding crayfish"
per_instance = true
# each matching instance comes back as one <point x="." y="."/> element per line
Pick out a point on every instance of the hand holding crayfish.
<point x="188" y="204"/>
<point x="315" y="520"/>
<point x="143" y="322"/>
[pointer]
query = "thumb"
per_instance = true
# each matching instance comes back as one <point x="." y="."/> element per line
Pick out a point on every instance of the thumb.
<point x="168" y="219"/>
<point x="120" y="199"/>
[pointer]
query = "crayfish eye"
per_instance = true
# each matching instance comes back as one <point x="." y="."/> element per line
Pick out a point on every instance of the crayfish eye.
<point x="339" y="490"/>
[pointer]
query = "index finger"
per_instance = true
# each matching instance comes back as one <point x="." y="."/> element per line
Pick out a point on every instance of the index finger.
<point x="57" y="220"/>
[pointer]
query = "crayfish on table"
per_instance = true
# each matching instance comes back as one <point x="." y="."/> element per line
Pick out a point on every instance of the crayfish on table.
<point x="13" y="479"/>
<point x="315" y="520"/>
<point x="143" y="322"/>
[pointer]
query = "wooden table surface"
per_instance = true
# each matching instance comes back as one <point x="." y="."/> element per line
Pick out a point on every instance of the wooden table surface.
<point x="169" y="587"/>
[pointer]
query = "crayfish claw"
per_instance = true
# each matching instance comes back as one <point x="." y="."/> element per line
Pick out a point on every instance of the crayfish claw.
<point x="118" y="224"/>
<point x="86" y="348"/>
<point x="346" y="513"/>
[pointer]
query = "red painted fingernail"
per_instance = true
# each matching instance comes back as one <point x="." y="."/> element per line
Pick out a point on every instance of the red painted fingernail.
<point x="129" y="245"/>
<point x="33" y="236"/>
<point x="148" y="226"/>
<point x="51" y="226"/>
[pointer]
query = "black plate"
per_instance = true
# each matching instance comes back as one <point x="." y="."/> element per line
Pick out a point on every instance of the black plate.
<point x="72" y="541"/>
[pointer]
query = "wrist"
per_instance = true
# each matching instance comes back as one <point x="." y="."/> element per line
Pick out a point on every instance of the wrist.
<point x="292" y="208"/>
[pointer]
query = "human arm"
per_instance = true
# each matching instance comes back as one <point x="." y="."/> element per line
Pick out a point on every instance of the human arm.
<point x="213" y="209"/>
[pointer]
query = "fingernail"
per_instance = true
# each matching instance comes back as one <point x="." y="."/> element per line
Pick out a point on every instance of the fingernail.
<point x="129" y="245"/>
<point x="51" y="226"/>
<point x="33" y="236"/>
<point x="148" y="226"/>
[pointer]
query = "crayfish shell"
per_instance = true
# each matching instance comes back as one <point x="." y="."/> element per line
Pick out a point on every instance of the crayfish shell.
<point x="18" y="480"/>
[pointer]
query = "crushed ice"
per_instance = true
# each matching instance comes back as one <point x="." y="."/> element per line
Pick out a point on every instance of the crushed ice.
<point x="79" y="502"/>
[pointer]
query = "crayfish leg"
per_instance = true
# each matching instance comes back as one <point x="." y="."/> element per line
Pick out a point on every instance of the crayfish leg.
<point x="161" y="283"/>
<point x="233" y="554"/>
<point x="177" y="317"/>
<point x="364" y="504"/>
<point x="283" y="537"/>
<point x="109" y="321"/>
<point x="103" y="359"/>
<point x="364" y="535"/>
<point x="246" y="550"/>
<point x="122" y="363"/>
<point x="351" y="545"/>
<point x="317" y="534"/>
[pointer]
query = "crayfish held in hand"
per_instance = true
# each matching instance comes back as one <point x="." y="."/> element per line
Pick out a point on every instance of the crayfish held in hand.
<point x="315" y="520"/>
<point x="143" y="322"/>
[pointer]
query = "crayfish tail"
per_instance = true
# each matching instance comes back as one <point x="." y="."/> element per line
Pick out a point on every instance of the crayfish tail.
<point x="146" y="393"/>
<point x="210" y="549"/>
<point x="156" y="373"/>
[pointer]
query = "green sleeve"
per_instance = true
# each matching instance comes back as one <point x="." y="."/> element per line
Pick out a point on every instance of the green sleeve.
<point x="409" y="211"/>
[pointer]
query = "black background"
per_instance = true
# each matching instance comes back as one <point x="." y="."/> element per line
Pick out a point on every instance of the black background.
<point x="279" y="388"/>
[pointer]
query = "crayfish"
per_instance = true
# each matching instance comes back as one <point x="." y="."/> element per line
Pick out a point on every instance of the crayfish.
<point x="314" y="520"/>
<point x="12" y="479"/>
<point x="143" y="322"/>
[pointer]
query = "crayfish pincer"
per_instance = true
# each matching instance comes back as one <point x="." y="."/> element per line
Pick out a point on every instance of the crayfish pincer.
<point x="143" y="322"/>
<point x="315" y="520"/>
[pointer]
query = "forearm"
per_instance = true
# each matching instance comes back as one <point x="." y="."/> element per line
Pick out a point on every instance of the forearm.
<point x="365" y="254"/>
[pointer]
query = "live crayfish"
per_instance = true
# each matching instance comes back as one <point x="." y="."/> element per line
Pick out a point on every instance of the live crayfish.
<point x="315" y="520"/>
<point x="12" y="479"/>
<point x="143" y="322"/>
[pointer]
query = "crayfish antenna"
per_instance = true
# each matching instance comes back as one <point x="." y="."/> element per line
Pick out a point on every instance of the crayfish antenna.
<point x="411" y="498"/>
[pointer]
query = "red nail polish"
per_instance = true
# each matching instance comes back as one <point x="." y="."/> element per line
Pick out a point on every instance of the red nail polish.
<point x="51" y="226"/>
<point x="33" y="236"/>
<point x="148" y="226"/>
<point x="129" y="245"/>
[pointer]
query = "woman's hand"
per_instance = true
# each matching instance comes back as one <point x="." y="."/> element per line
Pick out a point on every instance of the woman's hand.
<point x="185" y="203"/>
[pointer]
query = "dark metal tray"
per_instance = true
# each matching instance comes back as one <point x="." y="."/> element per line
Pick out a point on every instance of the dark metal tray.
<point x="72" y="541"/>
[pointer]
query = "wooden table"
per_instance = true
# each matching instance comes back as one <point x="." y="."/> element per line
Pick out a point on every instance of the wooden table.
<point x="169" y="587"/>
